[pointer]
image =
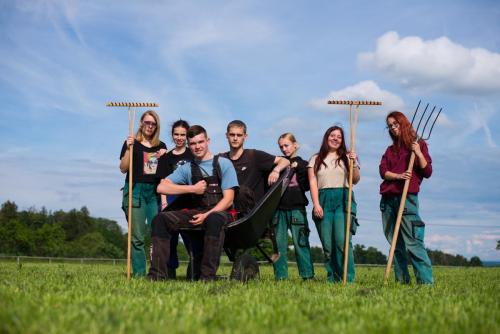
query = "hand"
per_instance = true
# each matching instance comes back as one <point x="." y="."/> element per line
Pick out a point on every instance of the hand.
<point x="404" y="176"/>
<point x="318" y="211"/>
<point x="416" y="148"/>
<point x="273" y="177"/>
<point x="130" y="140"/>
<point x="198" y="219"/>
<point x="200" y="187"/>
<point x="352" y="155"/>
<point x="160" y="152"/>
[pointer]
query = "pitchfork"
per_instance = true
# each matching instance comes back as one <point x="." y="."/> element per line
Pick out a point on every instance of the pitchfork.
<point x="424" y="136"/>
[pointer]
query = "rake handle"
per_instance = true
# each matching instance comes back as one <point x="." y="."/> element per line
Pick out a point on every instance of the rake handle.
<point x="399" y="218"/>
<point x="131" y="125"/>
<point x="348" y="222"/>
<point x="130" y="189"/>
<point x="353" y="126"/>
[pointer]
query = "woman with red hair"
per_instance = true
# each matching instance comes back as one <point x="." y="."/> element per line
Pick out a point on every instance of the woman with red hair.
<point x="393" y="170"/>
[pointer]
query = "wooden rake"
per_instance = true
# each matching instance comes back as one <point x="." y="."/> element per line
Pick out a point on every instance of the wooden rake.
<point x="352" y="127"/>
<point x="424" y="135"/>
<point x="131" y="124"/>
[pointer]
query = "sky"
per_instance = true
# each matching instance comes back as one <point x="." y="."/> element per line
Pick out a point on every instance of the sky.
<point x="272" y="64"/>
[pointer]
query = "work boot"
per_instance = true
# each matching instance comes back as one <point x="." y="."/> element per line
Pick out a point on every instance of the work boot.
<point x="171" y="273"/>
<point x="159" y="258"/>
<point x="211" y="256"/>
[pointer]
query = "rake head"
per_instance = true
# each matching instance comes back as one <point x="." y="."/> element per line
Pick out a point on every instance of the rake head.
<point x="431" y="119"/>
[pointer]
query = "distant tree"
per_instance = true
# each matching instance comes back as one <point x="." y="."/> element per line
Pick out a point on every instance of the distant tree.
<point x="368" y="256"/>
<point x="475" y="262"/>
<point x="317" y="254"/>
<point x="16" y="238"/>
<point x="49" y="240"/>
<point x="8" y="211"/>
<point x="93" y="245"/>
<point x="73" y="233"/>
<point x="498" y="244"/>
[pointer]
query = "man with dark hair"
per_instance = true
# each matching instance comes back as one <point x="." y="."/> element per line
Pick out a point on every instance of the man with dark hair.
<point x="210" y="181"/>
<point x="253" y="167"/>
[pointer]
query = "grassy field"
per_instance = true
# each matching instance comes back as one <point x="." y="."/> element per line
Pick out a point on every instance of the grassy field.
<point x="76" y="298"/>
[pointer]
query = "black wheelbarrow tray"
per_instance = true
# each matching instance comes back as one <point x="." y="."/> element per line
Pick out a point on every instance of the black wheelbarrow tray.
<point x="247" y="232"/>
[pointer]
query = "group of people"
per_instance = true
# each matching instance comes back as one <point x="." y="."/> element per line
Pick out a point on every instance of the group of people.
<point x="191" y="189"/>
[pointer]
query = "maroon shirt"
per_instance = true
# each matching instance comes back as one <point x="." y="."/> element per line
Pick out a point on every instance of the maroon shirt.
<point x="397" y="162"/>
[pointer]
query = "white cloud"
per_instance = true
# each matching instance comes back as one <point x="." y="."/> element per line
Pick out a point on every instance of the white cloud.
<point x="364" y="90"/>
<point x="434" y="65"/>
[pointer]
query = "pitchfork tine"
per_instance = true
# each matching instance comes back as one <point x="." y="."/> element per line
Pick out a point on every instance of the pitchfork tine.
<point x="415" y="113"/>
<point x="421" y="117"/>
<point x="432" y="127"/>
<point x="427" y="121"/>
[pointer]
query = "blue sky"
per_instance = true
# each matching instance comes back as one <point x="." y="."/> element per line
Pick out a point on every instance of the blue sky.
<point x="273" y="64"/>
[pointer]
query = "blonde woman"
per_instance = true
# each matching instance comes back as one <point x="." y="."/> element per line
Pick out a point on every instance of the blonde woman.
<point x="291" y="214"/>
<point x="147" y="149"/>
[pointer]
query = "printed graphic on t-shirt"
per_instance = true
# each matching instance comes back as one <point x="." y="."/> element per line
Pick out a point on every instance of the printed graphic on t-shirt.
<point x="150" y="163"/>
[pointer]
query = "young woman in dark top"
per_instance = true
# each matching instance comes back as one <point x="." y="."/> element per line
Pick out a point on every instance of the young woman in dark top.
<point x="291" y="214"/>
<point x="174" y="158"/>
<point x="393" y="168"/>
<point x="147" y="150"/>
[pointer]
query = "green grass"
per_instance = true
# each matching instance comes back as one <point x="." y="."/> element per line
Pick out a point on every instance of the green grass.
<point x="54" y="298"/>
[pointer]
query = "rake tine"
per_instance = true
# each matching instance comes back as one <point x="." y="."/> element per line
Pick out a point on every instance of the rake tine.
<point x="427" y="121"/>
<point x="421" y="117"/>
<point x="415" y="112"/>
<point x="432" y="127"/>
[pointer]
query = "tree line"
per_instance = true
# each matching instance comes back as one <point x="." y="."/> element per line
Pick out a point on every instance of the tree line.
<point x="76" y="234"/>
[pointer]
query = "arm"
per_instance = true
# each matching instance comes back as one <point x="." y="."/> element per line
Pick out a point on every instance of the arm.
<point x="125" y="160"/>
<point x="167" y="187"/>
<point x="386" y="174"/>
<point x="313" y="183"/>
<point x="163" y="201"/>
<point x="356" y="176"/>
<point x="222" y="205"/>
<point x="423" y="159"/>
<point x="281" y="163"/>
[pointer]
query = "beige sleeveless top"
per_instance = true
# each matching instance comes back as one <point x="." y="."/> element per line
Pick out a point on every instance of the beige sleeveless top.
<point x="333" y="176"/>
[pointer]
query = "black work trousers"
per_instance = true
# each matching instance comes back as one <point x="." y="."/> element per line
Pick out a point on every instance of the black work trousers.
<point x="165" y="223"/>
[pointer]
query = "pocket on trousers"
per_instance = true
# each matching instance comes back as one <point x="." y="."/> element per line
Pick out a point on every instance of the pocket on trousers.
<point x="304" y="236"/>
<point x="354" y="224"/>
<point x="136" y="197"/>
<point x="411" y="206"/>
<point x="298" y="219"/>
<point x="418" y="229"/>
<point x="382" y="205"/>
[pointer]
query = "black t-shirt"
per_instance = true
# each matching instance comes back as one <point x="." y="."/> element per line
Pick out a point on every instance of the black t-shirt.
<point x="294" y="196"/>
<point x="145" y="162"/>
<point x="170" y="161"/>
<point x="253" y="168"/>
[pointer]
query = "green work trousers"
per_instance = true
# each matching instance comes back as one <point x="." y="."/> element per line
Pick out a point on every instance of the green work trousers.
<point x="410" y="238"/>
<point x="144" y="208"/>
<point x="296" y="221"/>
<point x="331" y="230"/>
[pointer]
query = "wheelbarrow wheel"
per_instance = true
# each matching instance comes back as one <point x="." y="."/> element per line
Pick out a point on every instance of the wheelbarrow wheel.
<point x="245" y="268"/>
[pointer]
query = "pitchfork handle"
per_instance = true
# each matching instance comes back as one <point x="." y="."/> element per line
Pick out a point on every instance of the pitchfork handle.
<point x="399" y="218"/>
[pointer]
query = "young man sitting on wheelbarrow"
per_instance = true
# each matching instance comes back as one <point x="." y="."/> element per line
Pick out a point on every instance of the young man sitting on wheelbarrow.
<point x="210" y="181"/>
